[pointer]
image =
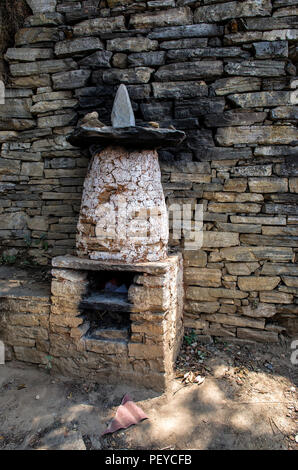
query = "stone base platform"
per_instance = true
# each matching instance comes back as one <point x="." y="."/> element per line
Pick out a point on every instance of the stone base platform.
<point x="53" y="332"/>
<point x="154" y="306"/>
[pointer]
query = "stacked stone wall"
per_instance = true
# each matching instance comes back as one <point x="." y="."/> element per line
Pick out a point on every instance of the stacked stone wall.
<point x="226" y="73"/>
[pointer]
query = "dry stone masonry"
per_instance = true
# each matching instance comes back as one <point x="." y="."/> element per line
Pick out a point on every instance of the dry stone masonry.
<point x="226" y="74"/>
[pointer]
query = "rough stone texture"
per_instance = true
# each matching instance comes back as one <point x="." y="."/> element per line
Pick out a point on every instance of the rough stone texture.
<point x="119" y="180"/>
<point x="189" y="71"/>
<point x="148" y="356"/>
<point x="97" y="26"/>
<point x="42" y="6"/>
<point x="122" y="112"/>
<point x="77" y="46"/>
<point x="171" y="17"/>
<point x="226" y="10"/>
<point x="238" y="109"/>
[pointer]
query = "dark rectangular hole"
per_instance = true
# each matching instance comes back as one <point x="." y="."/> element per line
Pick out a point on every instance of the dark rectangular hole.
<point x="105" y="305"/>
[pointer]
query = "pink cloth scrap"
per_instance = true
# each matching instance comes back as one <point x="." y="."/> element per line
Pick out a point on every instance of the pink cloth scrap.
<point x="127" y="414"/>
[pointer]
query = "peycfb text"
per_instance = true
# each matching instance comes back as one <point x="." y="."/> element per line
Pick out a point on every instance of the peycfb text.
<point x="157" y="459"/>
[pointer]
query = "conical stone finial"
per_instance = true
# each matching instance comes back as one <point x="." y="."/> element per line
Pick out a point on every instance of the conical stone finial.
<point x="122" y="112"/>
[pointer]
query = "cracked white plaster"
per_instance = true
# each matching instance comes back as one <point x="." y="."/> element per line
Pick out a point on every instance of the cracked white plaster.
<point x="123" y="213"/>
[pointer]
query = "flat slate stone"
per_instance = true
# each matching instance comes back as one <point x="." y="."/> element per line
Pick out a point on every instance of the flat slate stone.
<point x="135" y="137"/>
<point x="38" y="6"/>
<point x="107" y="301"/>
<point x="73" y="262"/>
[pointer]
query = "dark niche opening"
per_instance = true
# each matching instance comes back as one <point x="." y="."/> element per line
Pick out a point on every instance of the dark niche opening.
<point x="106" y="307"/>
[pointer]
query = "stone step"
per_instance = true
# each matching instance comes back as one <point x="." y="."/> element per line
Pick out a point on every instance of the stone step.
<point x="111" y="333"/>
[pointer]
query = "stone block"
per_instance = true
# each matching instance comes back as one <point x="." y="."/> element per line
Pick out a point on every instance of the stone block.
<point x="178" y="90"/>
<point x="9" y="167"/>
<point x="224" y="11"/>
<point x="261" y="99"/>
<point x="106" y="347"/>
<point x="30" y="355"/>
<point x="200" y="107"/>
<point x="293" y="185"/>
<point x="42" y="66"/>
<point x="145" y="351"/>
<point x="241" y="269"/>
<point x="183" y="55"/>
<point x="253" y="170"/>
<point x="66" y="321"/>
<point x="256" y="68"/>
<point x="227" y="136"/>
<point x="44" y="19"/>
<point x="232" y="197"/>
<point x="146" y="59"/>
<point x="99" y="26"/>
<point x="72" y="289"/>
<point x="290" y="281"/>
<point x="276" y="297"/>
<point x="26" y="36"/>
<point x="258" y="220"/>
<point x="71" y="80"/>
<point x="261" y="311"/>
<point x="138" y="44"/>
<point x="197" y="324"/>
<point x="60" y="120"/>
<point x="78" y="46"/>
<point x="234" y="118"/>
<point x="281" y="35"/>
<point x="220" y="239"/>
<point x="189" y="70"/>
<point x="201" y="307"/>
<point x="259" y="336"/>
<point x="220" y="153"/>
<point x="23" y="319"/>
<point x="44" y="6"/>
<point x="137" y="75"/>
<point x="69" y="275"/>
<point x="290" y="168"/>
<point x="16" y="108"/>
<point x="145" y="298"/>
<point x="267" y="240"/>
<point x="27" y="54"/>
<point x="184" y="43"/>
<point x="202" y="277"/>
<point x="258" y="283"/>
<point x="277" y="269"/>
<point x="38" y="223"/>
<point x="271" y="49"/>
<point x="268" y="185"/>
<point x="188" y="31"/>
<point x="238" y="228"/>
<point x="258" y="253"/>
<point x="235" y="184"/>
<point x="32" y="82"/>
<point x="206" y="294"/>
<point x="289" y="113"/>
<point x="171" y="17"/>
<point x="100" y="59"/>
<point x="234" y="207"/>
<point x="235" y="320"/>
<point x="195" y="258"/>
<point x="14" y="221"/>
<point x="227" y="86"/>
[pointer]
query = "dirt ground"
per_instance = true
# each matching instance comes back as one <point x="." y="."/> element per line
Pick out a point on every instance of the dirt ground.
<point x="248" y="400"/>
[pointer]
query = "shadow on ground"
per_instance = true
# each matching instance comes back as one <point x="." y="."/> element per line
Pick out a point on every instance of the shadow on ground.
<point x="247" y="401"/>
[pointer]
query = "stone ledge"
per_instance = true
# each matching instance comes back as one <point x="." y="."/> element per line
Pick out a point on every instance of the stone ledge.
<point x="73" y="262"/>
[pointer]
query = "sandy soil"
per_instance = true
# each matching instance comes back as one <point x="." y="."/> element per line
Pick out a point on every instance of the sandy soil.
<point x="248" y="400"/>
